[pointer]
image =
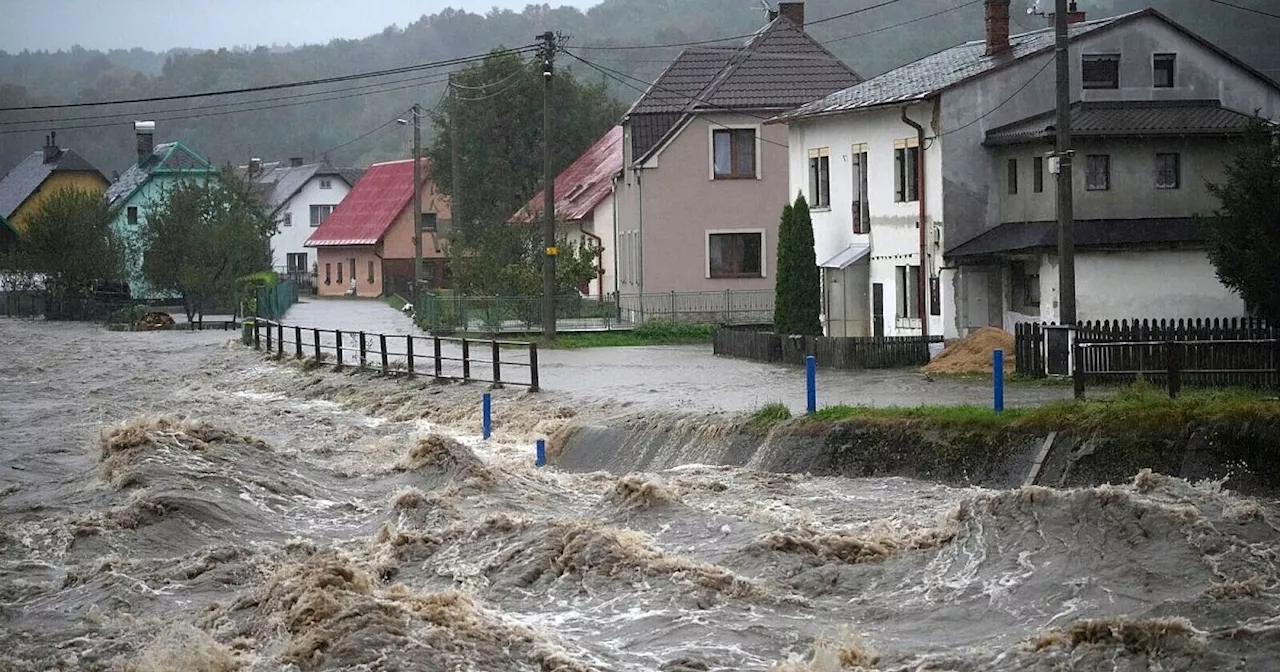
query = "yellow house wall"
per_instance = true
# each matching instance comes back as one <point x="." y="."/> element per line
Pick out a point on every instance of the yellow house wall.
<point x="56" y="180"/>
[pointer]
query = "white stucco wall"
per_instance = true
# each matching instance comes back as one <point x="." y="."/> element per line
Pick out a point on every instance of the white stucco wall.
<point x="290" y="239"/>
<point x="602" y="224"/>
<point x="894" y="237"/>
<point x="1159" y="284"/>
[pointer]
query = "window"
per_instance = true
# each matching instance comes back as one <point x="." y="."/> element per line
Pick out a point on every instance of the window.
<point x="429" y="221"/>
<point x="1097" y="172"/>
<point x="296" y="262"/>
<point x="1100" y="71"/>
<point x="326" y="183"/>
<point x="429" y="273"/>
<point x="906" y="172"/>
<point x="288" y="219"/>
<point x="1168" y="171"/>
<point x="1026" y="286"/>
<point x="1013" y="176"/>
<point x="352" y="261"/>
<point x="132" y="215"/>
<point x="820" y="178"/>
<point x="371" y="271"/>
<point x="339" y="272"/>
<point x="907" y="280"/>
<point x="319" y="213"/>
<point x="734" y="153"/>
<point x="735" y="255"/>
<point x="861" y="211"/>
<point x="327" y="277"/>
<point x="1162" y="70"/>
<point x="1037" y="174"/>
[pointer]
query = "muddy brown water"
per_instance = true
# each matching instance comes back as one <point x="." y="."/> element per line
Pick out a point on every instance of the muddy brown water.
<point x="172" y="501"/>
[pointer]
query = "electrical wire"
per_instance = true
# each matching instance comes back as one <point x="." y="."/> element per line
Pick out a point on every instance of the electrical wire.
<point x="899" y="25"/>
<point x="360" y="137"/>
<point x="988" y="113"/>
<point x="1245" y="9"/>
<point x="488" y="85"/>
<point x="273" y="87"/>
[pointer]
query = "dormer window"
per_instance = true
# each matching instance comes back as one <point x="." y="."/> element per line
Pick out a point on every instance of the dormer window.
<point x="1100" y="71"/>
<point x="1162" y="70"/>
<point x="326" y="183"/>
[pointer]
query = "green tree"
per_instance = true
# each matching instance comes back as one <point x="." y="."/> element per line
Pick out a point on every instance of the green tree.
<point x="797" y="304"/>
<point x="1243" y="235"/>
<point x="201" y="237"/>
<point x="70" y="242"/>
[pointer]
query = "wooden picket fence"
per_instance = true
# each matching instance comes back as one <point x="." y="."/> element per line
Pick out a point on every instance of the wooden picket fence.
<point x="834" y="353"/>
<point x="1234" y="352"/>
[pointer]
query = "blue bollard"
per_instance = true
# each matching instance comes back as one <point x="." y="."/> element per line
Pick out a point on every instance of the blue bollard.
<point x="542" y="453"/>
<point x="811" y="383"/>
<point x="997" y="375"/>
<point x="487" y="423"/>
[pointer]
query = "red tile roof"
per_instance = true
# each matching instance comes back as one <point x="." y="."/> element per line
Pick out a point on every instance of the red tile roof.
<point x="584" y="184"/>
<point x="369" y="210"/>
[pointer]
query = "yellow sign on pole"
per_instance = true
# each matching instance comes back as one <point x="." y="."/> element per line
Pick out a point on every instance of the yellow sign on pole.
<point x="552" y="251"/>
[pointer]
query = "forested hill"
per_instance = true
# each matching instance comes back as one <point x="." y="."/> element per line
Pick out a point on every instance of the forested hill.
<point x="275" y="125"/>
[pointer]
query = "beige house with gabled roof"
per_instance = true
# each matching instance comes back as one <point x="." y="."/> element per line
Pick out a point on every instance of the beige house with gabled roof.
<point x="704" y="180"/>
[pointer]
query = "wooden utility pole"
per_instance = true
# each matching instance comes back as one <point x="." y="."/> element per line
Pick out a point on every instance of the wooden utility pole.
<point x="1063" y="153"/>
<point x="455" y="155"/>
<point x="417" y="202"/>
<point x="548" y="191"/>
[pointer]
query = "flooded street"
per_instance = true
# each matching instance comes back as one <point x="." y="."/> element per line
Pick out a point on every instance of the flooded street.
<point x="175" y="501"/>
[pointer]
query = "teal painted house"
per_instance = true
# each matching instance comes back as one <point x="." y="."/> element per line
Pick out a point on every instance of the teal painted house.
<point x="158" y="169"/>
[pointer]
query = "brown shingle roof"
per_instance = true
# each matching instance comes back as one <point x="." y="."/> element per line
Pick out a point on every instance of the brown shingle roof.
<point x="778" y="68"/>
<point x="1128" y="118"/>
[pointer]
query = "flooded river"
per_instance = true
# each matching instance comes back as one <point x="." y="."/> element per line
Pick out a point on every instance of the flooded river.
<point x="172" y="501"/>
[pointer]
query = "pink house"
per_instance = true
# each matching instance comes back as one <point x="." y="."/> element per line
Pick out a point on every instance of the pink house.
<point x="368" y="238"/>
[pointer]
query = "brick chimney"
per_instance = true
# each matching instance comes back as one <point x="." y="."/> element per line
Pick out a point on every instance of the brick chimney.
<point x="793" y="11"/>
<point x="145" y="131"/>
<point x="997" y="26"/>
<point x="1074" y="15"/>
<point x="295" y="161"/>
<point x="51" y="150"/>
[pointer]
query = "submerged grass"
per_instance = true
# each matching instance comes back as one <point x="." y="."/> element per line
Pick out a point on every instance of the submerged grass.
<point x="657" y="332"/>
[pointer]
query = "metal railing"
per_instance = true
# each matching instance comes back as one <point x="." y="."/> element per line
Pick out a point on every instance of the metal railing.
<point x="489" y="361"/>
<point x="727" y="307"/>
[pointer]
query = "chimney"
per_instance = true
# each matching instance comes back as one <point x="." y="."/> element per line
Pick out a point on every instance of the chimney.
<point x="1074" y="15"/>
<point x="145" y="132"/>
<point x="997" y="26"/>
<point x="793" y="11"/>
<point x="51" y="150"/>
<point x="255" y="166"/>
<point x="295" y="161"/>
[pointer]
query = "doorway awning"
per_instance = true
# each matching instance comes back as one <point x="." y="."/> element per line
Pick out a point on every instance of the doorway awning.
<point x="848" y="256"/>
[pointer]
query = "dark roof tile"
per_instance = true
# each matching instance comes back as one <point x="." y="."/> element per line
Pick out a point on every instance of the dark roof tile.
<point x="1128" y="118"/>
<point x="19" y="183"/>
<point x="1027" y="236"/>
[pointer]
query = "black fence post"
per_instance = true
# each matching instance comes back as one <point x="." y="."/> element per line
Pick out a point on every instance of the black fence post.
<point x="382" y="345"/>
<point x="408" y="349"/>
<point x="497" y="365"/>
<point x="315" y="336"/>
<point x="269" y="338"/>
<point x="533" y="367"/>
<point x="279" y="339"/>
<point x="363" y="352"/>
<point x="297" y="342"/>
<point x="1173" y="364"/>
<point x="257" y="335"/>
<point x="466" y="360"/>
<point x="337" y="345"/>
<point x="439" y="361"/>
<point x="1077" y="371"/>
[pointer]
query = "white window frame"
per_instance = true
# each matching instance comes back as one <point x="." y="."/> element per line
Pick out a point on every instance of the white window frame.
<point x="712" y="127"/>
<point x="819" y="153"/>
<point x="706" y="252"/>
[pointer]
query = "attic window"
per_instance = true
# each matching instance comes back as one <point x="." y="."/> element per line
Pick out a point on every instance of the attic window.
<point x="1162" y="70"/>
<point x="1100" y="71"/>
<point x="326" y="183"/>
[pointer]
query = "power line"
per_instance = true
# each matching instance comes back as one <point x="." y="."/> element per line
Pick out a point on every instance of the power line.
<point x="1246" y="9"/>
<point x="422" y="79"/>
<point x="362" y="136"/>
<point x="899" y="25"/>
<point x="695" y="43"/>
<point x="984" y="115"/>
<point x="271" y="87"/>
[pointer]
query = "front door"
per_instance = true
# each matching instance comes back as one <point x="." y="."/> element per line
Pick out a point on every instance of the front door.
<point x="877" y="310"/>
<point x="976" y="302"/>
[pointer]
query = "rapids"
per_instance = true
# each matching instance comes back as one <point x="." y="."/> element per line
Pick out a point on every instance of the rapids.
<point x="172" y="501"/>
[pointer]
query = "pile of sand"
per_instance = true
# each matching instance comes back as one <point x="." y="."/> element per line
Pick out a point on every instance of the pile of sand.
<point x="972" y="354"/>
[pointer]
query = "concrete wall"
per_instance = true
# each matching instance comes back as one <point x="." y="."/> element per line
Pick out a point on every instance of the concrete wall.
<point x="290" y="239"/>
<point x="667" y="209"/>
<point x="58" y="179"/>
<point x="1133" y="193"/>
<point x="895" y="236"/>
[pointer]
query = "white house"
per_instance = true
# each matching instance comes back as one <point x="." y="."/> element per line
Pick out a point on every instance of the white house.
<point x="1153" y="108"/>
<point x="300" y="196"/>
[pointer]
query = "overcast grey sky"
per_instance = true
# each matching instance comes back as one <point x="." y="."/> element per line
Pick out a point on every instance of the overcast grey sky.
<point x="162" y="24"/>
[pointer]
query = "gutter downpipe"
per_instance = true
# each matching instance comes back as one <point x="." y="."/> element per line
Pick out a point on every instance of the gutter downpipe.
<point x="614" y="192"/>
<point x="599" y="262"/>
<point x="640" y="235"/>
<point x="922" y="296"/>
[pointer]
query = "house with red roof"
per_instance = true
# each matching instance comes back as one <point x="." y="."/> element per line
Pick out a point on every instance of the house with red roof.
<point x="585" y="208"/>
<point x="366" y="243"/>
